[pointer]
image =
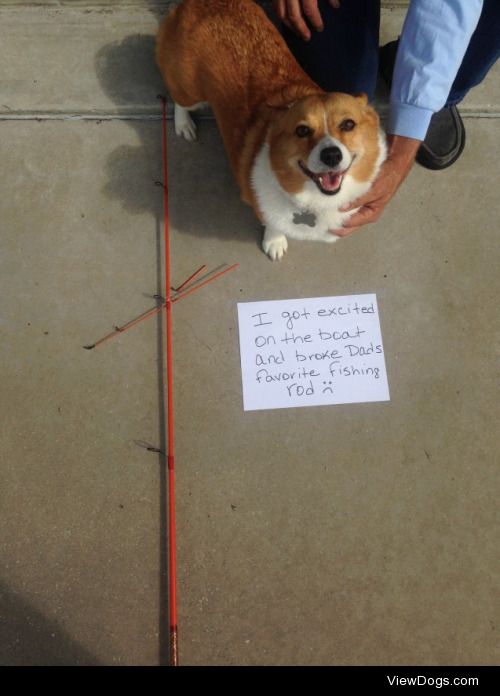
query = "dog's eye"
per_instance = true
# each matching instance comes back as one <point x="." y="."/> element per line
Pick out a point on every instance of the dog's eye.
<point x="303" y="131"/>
<point x="347" y="125"/>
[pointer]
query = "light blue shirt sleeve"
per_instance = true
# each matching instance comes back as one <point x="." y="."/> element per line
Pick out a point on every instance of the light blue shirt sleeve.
<point x="435" y="37"/>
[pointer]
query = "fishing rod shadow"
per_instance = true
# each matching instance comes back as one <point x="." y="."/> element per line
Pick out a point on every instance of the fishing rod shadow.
<point x="163" y="616"/>
<point x="160" y="448"/>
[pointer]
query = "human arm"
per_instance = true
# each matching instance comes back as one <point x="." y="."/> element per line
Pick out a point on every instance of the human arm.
<point x="432" y="46"/>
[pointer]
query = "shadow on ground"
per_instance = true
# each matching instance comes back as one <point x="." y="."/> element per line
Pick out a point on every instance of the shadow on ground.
<point x="27" y="638"/>
<point x="205" y="200"/>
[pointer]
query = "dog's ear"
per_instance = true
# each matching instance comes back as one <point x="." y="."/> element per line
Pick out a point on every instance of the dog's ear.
<point x="286" y="97"/>
<point x="269" y="112"/>
<point x="362" y="98"/>
<point x="275" y="105"/>
<point x="369" y="113"/>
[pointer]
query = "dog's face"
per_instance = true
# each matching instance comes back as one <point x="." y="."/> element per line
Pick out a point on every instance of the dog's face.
<point x="319" y="139"/>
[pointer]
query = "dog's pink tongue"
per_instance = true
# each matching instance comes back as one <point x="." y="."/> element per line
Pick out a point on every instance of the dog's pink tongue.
<point x="331" y="181"/>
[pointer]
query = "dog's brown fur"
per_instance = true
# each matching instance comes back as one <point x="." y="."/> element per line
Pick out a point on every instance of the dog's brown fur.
<point x="236" y="61"/>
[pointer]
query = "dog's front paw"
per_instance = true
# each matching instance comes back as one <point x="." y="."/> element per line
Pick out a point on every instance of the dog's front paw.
<point x="275" y="247"/>
<point x="333" y="235"/>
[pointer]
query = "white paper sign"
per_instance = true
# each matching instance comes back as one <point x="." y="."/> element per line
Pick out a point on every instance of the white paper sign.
<point x="311" y="352"/>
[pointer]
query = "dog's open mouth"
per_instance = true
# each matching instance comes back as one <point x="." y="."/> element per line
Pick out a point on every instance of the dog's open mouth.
<point x="328" y="183"/>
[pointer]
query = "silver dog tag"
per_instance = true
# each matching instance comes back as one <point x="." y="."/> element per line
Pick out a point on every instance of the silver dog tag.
<point x="304" y="218"/>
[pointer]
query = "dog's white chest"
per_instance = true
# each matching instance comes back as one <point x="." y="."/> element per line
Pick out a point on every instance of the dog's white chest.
<point x="308" y="215"/>
<point x="316" y="225"/>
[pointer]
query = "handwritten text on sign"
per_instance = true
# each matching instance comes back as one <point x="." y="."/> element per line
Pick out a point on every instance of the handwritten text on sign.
<point x="317" y="351"/>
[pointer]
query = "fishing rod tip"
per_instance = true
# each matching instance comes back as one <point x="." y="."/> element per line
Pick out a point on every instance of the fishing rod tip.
<point x="89" y="347"/>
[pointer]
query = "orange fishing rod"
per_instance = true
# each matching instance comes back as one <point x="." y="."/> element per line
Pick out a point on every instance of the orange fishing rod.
<point x="172" y="541"/>
<point x="189" y="286"/>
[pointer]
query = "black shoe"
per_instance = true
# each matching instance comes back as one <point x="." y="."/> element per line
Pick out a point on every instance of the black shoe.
<point x="445" y="139"/>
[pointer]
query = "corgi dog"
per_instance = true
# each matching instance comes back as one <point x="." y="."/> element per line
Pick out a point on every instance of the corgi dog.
<point x="298" y="153"/>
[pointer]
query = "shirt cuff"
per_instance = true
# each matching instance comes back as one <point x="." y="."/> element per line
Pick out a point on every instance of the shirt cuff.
<point x="408" y="120"/>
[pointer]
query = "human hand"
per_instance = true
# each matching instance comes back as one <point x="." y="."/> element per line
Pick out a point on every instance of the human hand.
<point x="393" y="172"/>
<point x="293" y="14"/>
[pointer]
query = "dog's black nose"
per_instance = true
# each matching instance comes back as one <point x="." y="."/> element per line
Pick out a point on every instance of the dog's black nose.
<point x="331" y="156"/>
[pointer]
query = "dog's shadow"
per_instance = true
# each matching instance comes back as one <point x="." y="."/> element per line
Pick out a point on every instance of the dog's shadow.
<point x="204" y="198"/>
